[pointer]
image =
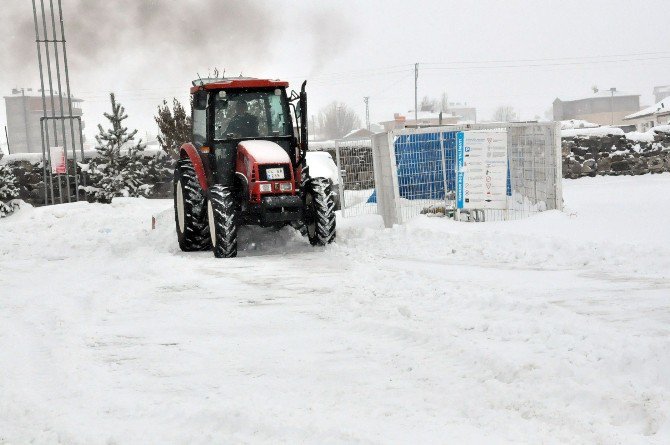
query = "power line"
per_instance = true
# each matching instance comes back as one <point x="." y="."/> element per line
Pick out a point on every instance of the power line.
<point x="548" y="58"/>
<point x="530" y="65"/>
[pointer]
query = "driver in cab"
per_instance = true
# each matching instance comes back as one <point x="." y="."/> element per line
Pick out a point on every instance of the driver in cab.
<point x="243" y="123"/>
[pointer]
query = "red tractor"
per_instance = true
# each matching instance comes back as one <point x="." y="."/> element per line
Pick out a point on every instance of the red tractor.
<point x="247" y="165"/>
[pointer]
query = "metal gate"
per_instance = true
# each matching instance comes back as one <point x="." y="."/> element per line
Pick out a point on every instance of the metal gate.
<point x="357" y="177"/>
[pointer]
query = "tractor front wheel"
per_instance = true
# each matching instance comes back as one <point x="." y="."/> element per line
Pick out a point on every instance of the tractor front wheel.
<point x="319" y="212"/>
<point x="222" y="215"/>
<point x="189" y="209"/>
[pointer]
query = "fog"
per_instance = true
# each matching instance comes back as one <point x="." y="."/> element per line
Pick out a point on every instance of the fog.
<point x="486" y="53"/>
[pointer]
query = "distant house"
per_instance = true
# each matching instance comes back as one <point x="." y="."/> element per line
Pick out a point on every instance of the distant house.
<point x="467" y="113"/>
<point x="360" y="133"/>
<point x="602" y="108"/>
<point x="424" y="119"/>
<point x="661" y="93"/>
<point x="657" y="114"/>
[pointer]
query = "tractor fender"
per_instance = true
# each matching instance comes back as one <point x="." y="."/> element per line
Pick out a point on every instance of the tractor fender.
<point x="321" y="165"/>
<point x="189" y="151"/>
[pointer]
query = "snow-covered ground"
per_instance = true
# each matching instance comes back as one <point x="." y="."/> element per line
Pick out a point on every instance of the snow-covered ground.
<point x="554" y="329"/>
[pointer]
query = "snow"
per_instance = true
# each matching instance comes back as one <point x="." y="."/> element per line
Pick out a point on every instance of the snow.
<point x="553" y="329"/>
<point x="577" y="123"/>
<point x="597" y="131"/>
<point x="321" y="165"/>
<point x="637" y="136"/>
<point x="330" y="145"/>
<point x="266" y="152"/>
<point x="88" y="154"/>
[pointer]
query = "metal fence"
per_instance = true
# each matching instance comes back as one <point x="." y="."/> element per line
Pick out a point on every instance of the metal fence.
<point x="357" y="177"/>
<point x="416" y="171"/>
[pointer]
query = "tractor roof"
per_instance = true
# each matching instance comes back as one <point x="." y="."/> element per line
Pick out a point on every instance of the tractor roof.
<point x="235" y="82"/>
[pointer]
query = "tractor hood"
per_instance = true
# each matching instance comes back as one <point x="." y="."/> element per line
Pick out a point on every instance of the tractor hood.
<point x="264" y="152"/>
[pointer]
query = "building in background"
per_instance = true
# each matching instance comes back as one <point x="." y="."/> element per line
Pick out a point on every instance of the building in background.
<point x="657" y="114"/>
<point x="661" y="93"/>
<point x="468" y="114"/>
<point x="602" y="108"/>
<point x="24" y="110"/>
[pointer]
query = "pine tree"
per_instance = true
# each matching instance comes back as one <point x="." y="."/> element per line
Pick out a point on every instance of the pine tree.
<point x="9" y="191"/>
<point x="119" y="169"/>
<point x="174" y="126"/>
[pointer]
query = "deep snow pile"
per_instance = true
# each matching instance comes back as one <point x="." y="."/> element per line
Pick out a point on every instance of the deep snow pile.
<point x="554" y="329"/>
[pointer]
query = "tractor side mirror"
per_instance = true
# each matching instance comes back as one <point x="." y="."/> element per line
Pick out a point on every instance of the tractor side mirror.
<point x="200" y="100"/>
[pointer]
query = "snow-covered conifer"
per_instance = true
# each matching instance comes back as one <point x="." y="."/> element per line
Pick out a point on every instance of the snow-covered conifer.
<point x="8" y="190"/>
<point x="119" y="169"/>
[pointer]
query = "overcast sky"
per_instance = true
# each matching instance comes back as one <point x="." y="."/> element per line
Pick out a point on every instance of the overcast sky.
<point x="485" y="53"/>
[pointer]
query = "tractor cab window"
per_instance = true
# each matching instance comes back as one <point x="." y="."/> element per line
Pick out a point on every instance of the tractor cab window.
<point x="199" y="127"/>
<point x="243" y="113"/>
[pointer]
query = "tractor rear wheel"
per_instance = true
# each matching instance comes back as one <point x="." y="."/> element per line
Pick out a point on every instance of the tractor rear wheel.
<point x="189" y="209"/>
<point x="319" y="212"/>
<point x="222" y="215"/>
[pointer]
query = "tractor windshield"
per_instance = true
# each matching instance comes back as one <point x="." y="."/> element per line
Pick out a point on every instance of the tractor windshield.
<point x="251" y="113"/>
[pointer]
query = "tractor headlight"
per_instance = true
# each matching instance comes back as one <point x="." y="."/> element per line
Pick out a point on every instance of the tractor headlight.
<point x="266" y="187"/>
<point x="286" y="187"/>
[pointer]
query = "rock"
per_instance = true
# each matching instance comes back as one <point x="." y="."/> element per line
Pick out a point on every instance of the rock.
<point x="604" y="165"/>
<point x="620" y="166"/>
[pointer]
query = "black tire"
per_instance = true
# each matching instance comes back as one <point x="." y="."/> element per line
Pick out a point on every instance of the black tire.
<point x="304" y="181"/>
<point x="190" y="212"/>
<point x="319" y="212"/>
<point x="222" y="216"/>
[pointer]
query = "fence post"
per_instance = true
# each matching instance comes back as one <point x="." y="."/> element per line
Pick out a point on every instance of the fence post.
<point x="397" y="208"/>
<point x="343" y="204"/>
<point x="559" y="166"/>
<point x="444" y="169"/>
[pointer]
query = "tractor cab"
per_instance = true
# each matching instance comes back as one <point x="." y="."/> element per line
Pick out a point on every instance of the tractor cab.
<point x="229" y="111"/>
<point x="245" y="164"/>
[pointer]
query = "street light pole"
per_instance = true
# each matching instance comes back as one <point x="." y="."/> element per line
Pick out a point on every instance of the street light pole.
<point x="416" y="89"/>
<point x="612" y="91"/>
<point x="366" y="99"/>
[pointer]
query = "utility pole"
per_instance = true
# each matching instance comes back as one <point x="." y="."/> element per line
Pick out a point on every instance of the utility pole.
<point x="416" y="101"/>
<point x="366" y="99"/>
<point x="612" y="90"/>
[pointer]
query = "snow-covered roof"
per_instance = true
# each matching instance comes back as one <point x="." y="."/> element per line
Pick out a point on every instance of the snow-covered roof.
<point x="358" y="133"/>
<point x="601" y="94"/>
<point x="662" y="106"/>
<point x="37" y="95"/>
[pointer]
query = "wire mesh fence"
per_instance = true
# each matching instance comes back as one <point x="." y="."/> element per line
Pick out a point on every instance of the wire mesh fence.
<point x="357" y="178"/>
<point x="420" y="171"/>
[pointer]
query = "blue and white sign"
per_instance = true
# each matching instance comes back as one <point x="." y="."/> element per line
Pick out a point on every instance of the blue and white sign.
<point x="481" y="158"/>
